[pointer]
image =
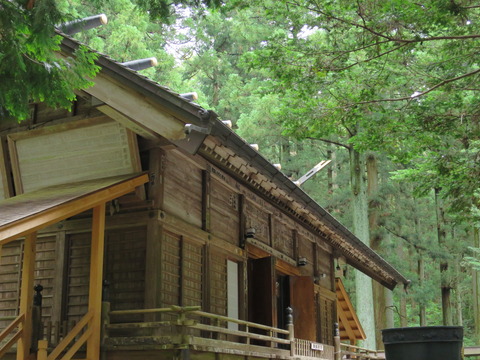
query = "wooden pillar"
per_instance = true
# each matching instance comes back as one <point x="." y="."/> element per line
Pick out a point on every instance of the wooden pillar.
<point x="26" y="296"/>
<point x="96" y="275"/>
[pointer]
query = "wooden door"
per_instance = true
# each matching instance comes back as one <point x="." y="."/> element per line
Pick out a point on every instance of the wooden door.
<point x="302" y="300"/>
<point x="261" y="291"/>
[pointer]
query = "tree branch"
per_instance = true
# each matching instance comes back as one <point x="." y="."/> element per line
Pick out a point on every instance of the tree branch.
<point x="370" y="59"/>
<point x="407" y="98"/>
<point x="348" y="147"/>
<point x="417" y="247"/>
<point x="398" y="40"/>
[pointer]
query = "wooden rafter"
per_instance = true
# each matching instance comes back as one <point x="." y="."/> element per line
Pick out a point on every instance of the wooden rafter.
<point x="347" y="315"/>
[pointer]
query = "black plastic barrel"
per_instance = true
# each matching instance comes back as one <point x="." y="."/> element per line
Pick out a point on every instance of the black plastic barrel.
<point x="423" y="343"/>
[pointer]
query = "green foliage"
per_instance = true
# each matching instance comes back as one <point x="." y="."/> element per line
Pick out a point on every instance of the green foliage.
<point x="474" y="260"/>
<point x="29" y="66"/>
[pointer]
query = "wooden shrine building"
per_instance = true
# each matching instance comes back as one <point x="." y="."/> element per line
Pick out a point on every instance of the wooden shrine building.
<point x="158" y="233"/>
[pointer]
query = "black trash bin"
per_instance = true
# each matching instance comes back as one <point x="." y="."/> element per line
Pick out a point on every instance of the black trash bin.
<point x="423" y="343"/>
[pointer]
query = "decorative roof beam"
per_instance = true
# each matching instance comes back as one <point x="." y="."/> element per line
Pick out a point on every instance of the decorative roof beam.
<point x="141" y="64"/>
<point x="75" y="26"/>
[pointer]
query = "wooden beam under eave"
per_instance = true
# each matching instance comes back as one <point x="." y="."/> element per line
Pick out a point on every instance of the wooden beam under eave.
<point x="48" y="217"/>
<point x="96" y="276"/>
<point x="129" y="123"/>
<point x="138" y="107"/>
<point x="26" y="296"/>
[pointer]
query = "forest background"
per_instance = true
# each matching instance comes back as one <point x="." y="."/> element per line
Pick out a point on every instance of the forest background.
<point x="386" y="90"/>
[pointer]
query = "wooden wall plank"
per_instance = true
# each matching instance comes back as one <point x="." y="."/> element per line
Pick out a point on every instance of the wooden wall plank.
<point x="45" y="271"/>
<point x="10" y="275"/>
<point x="5" y="189"/>
<point x="256" y="217"/>
<point x="171" y="258"/>
<point x="125" y="267"/>
<point x="218" y="283"/>
<point x="224" y="209"/>
<point x="183" y="189"/>
<point x="192" y="279"/>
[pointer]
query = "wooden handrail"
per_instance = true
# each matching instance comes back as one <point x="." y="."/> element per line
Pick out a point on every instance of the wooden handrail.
<point x="364" y="353"/>
<point x="8" y="330"/>
<point x="195" y="311"/>
<point x="152" y="311"/>
<point x="19" y="319"/>
<point x="10" y="342"/>
<point x="241" y="322"/>
<point x="71" y="335"/>
<point x="240" y="333"/>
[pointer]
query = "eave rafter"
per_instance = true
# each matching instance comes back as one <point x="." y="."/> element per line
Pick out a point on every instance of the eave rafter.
<point x="251" y="176"/>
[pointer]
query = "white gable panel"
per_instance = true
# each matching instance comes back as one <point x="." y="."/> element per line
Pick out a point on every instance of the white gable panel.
<point x="76" y="154"/>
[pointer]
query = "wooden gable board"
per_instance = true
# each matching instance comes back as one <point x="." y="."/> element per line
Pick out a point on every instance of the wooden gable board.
<point x="84" y="150"/>
<point x="4" y="191"/>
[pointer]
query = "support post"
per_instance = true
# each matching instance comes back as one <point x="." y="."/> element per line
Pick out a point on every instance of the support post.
<point x="291" y="332"/>
<point x="96" y="274"/>
<point x="26" y="296"/>
<point x="336" y="339"/>
<point x="42" y="350"/>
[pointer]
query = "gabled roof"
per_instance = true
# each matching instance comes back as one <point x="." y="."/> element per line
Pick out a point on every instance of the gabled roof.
<point x="116" y="83"/>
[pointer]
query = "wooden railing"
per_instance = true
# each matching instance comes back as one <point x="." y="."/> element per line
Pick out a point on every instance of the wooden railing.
<point x="191" y="326"/>
<point x="17" y="324"/>
<point x="79" y="334"/>
<point x="359" y="353"/>
<point x="471" y="351"/>
<point x="313" y="350"/>
<point x="270" y="335"/>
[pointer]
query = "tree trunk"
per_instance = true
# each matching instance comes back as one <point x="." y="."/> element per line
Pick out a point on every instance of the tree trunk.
<point x="422" y="313"/>
<point x="403" y="310"/>
<point x="445" y="285"/>
<point x="332" y="170"/>
<point x="390" y="312"/>
<point x="421" y="279"/>
<point x="476" y="290"/>
<point x="379" y="302"/>
<point x="458" y="299"/>
<point x="363" y="284"/>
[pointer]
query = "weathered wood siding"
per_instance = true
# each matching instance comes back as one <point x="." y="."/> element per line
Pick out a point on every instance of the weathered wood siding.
<point x="326" y="308"/>
<point x="325" y="268"/>
<point x="258" y="218"/>
<point x="183" y="189"/>
<point x="77" y="277"/>
<point x="192" y="280"/>
<point x="218" y="283"/>
<point x="224" y="212"/>
<point x="125" y="269"/>
<point x="4" y="191"/>
<point x="171" y="270"/>
<point x="283" y="238"/>
<point x="45" y="273"/>
<point x="10" y="272"/>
